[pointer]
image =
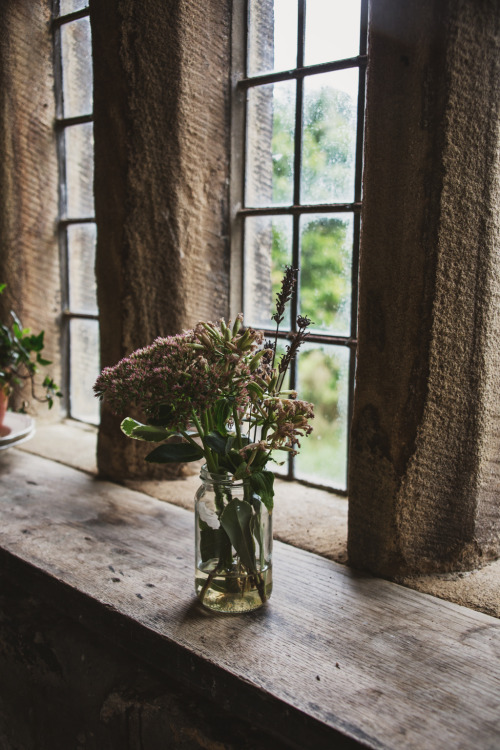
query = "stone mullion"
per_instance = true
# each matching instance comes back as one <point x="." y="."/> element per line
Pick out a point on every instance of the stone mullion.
<point x="423" y="438"/>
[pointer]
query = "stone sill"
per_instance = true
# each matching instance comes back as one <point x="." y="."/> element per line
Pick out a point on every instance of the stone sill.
<point x="336" y="659"/>
<point x="311" y="519"/>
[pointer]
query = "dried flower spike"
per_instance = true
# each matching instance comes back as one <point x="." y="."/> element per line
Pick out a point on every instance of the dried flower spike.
<point x="284" y="295"/>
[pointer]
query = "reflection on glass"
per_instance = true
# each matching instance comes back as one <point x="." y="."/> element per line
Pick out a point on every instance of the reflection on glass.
<point x="84" y="369"/>
<point x="79" y="149"/>
<point x="323" y="379"/>
<point x="272" y="36"/>
<point x="268" y="249"/>
<point x="325" y="276"/>
<point x="270" y="145"/>
<point x="70" y="6"/>
<point x="332" y="30"/>
<point x="76" y="49"/>
<point x="329" y="137"/>
<point x="81" y="262"/>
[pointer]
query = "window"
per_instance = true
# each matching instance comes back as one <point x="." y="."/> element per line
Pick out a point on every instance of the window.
<point x="298" y="115"/>
<point x="77" y="228"/>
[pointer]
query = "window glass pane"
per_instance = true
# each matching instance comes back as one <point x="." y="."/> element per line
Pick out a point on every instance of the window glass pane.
<point x="329" y="138"/>
<point x="79" y="150"/>
<point x="323" y="379"/>
<point x="76" y="68"/>
<point x="272" y="36"/>
<point x="325" y="276"/>
<point x="81" y="262"/>
<point x="70" y="6"/>
<point x="270" y="147"/>
<point x="84" y="369"/>
<point x="332" y="30"/>
<point x="268" y="249"/>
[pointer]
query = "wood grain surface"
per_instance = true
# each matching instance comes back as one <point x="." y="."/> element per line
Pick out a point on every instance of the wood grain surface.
<point x="336" y="659"/>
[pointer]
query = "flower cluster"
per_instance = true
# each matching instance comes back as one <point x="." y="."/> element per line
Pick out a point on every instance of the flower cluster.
<point x="217" y="387"/>
<point x="288" y="420"/>
<point x="178" y="376"/>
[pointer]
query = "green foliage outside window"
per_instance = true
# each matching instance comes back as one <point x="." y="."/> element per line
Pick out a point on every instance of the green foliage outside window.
<point x="326" y="242"/>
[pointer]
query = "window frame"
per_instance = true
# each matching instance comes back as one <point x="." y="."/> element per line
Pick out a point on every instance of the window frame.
<point x="241" y="84"/>
<point x="65" y="221"/>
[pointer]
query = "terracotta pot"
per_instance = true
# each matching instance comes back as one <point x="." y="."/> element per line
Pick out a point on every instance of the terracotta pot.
<point x="4" y="400"/>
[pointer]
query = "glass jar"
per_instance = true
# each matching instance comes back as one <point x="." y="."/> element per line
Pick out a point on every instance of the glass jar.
<point x="233" y="533"/>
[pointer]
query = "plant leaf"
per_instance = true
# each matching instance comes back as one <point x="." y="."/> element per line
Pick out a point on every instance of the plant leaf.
<point x="262" y="482"/>
<point x="209" y="542"/>
<point x="258" y="532"/>
<point x="235" y="520"/>
<point x="257" y="391"/>
<point x="214" y="544"/>
<point x="174" y="453"/>
<point x="222" y="411"/>
<point x="216" y="442"/>
<point x="139" y="431"/>
<point x="43" y="362"/>
<point x="241" y="470"/>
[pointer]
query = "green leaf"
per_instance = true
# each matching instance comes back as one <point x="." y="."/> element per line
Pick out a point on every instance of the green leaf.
<point x="151" y="433"/>
<point x="258" y="532"/>
<point x="42" y="361"/>
<point x="235" y="520"/>
<point x="209" y="542"/>
<point x="216" y="442"/>
<point x="222" y="411"/>
<point x="214" y="544"/>
<point x="255" y="389"/>
<point x="241" y="470"/>
<point x="262" y="482"/>
<point x="34" y="342"/>
<point x="139" y="431"/>
<point x="229" y="444"/>
<point x="128" y="425"/>
<point x="174" y="453"/>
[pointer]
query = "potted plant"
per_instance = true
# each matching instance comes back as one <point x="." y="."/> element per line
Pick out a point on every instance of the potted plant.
<point x="20" y="360"/>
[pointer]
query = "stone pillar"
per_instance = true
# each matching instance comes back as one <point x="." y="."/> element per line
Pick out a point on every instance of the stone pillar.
<point x="425" y="471"/>
<point x="29" y="254"/>
<point x="161" y="88"/>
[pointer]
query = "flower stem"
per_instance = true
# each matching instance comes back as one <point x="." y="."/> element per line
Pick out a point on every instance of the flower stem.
<point x="189" y="438"/>
<point x="237" y="426"/>
<point x="211" y="462"/>
<point x="197" y="424"/>
<point x="275" y="345"/>
<point x="209" y="580"/>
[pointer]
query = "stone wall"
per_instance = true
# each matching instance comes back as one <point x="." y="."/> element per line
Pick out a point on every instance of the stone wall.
<point x="29" y="254"/>
<point x="424" y="476"/>
<point x="161" y="87"/>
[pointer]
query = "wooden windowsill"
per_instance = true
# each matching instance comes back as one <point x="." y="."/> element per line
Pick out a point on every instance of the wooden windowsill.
<point x="335" y="657"/>
<point x="303" y="516"/>
<point x="308" y="518"/>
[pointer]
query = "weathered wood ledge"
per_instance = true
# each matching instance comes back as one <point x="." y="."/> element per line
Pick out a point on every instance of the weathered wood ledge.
<point x="337" y="659"/>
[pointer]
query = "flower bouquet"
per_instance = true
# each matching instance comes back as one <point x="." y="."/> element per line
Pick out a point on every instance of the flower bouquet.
<point x="216" y="393"/>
